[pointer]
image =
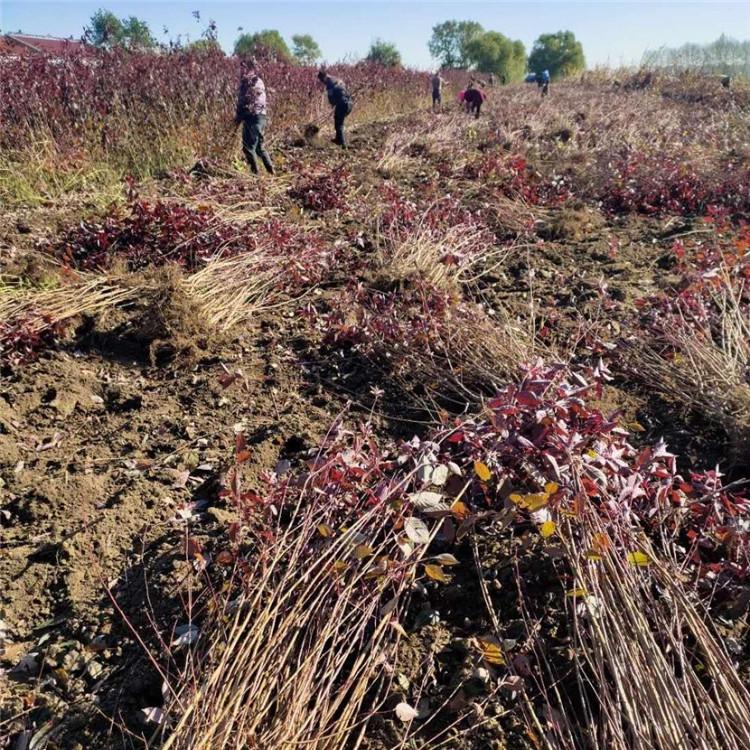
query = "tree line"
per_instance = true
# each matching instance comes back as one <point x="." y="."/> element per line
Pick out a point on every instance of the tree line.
<point x="725" y="56"/>
<point x="466" y="44"/>
<point x="454" y="44"/>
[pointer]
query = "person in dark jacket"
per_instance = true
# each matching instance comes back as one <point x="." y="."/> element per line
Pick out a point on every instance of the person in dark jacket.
<point x="340" y="100"/>
<point x="473" y="99"/>
<point x="542" y="82"/>
<point x="252" y="113"/>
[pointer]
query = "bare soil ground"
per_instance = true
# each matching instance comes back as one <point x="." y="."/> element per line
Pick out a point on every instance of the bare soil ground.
<point x="109" y="452"/>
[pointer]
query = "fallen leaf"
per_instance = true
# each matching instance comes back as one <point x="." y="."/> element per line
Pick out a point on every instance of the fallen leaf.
<point x="600" y="542"/>
<point x="436" y="573"/>
<point x="427" y="500"/>
<point x="576" y="593"/>
<point x="482" y="471"/>
<point x="325" y="530"/>
<point x="153" y="715"/>
<point x="447" y="559"/>
<point x="639" y="559"/>
<point x="417" y="531"/>
<point x="491" y="650"/>
<point x="459" y="509"/>
<point x="439" y="475"/>
<point x="187" y="635"/>
<point x="531" y="502"/>
<point x="551" y="488"/>
<point x="179" y="478"/>
<point x="225" y="558"/>
<point x="361" y="551"/>
<point x="547" y="529"/>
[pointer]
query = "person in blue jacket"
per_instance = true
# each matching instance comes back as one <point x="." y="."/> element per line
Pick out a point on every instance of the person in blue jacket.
<point x="542" y="81"/>
<point x="341" y="101"/>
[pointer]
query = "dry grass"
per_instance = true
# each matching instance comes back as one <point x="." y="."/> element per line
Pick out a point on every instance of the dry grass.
<point x="233" y="291"/>
<point x="226" y="293"/>
<point x="651" y="672"/>
<point x="303" y="655"/>
<point x="85" y="294"/>
<point x="435" y="136"/>
<point x="446" y="258"/>
<point x="708" y="371"/>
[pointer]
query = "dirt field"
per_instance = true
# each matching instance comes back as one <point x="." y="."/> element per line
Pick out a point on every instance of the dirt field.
<point x="118" y="430"/>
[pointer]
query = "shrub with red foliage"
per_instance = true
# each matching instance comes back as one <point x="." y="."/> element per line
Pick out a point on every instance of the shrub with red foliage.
<point x="22" y="339"/>
<point x="124" y="101"/>
<point x="400" y="215"/>
<point x="322" y="190"/>
<point x="652" y="185"/>
<point x="516" y="178"/>
<point x="541" y="429"/>
<point x="379" y="322"/>
<point x="153" y="234"/>
<point x="538" y="440"/>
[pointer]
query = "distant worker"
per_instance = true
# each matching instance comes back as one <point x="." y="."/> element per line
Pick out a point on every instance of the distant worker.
<point x="492" y="79"/>
<point x="437" y="82"/>
<point x="726" y="81"/>
<point x="473" y="99"/>
<point x="542" y="82"/>
<point x="252" y="113"/>
<point x="340" y="100"/>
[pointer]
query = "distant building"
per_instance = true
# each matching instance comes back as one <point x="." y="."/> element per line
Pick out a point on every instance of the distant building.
<point x="20" y="45"/>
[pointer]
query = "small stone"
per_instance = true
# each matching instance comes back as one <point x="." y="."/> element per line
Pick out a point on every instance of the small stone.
<point x="94" y="669"/>
<point x="220" y="516"/>
<point x="481" y="675"/>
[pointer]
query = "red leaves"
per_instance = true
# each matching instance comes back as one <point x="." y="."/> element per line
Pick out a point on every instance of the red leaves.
<point x="322" y="191"/>
<point x="150" y="235"/>
<point x="657" y="184"/>
<point x="22" y="339"/>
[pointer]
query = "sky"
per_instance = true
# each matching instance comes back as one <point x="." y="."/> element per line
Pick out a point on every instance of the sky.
<point x="612" y="33"/>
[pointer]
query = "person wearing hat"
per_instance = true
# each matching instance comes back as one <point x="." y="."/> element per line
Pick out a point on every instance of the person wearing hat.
<point x="340" y="100"/>
<point x="252" y="113"/>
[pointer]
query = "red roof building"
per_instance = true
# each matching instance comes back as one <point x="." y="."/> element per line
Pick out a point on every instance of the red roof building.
<point x="24" y="44"/>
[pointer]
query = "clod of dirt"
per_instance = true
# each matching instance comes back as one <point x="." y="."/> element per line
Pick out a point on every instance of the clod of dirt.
<point x="169" y="323"/>
<point x="572" y="224"/>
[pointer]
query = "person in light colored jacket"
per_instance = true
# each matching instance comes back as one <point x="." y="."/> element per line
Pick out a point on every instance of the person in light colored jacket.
<point x="252" y="113"/>
<point x="437" y="82"/>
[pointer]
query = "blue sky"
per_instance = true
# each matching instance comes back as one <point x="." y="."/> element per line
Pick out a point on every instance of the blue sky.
<point x="612" y="33"/>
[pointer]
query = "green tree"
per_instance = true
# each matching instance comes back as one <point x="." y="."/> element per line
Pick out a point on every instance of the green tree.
<point x="384" y="53"/>
<point x="449" y="42"/>
<point x="106" y="30"/>
<point x="305" y="49"/>
<point x="268" y="40"/>
<point x="560" y="53"/>
<point x="204" y="46"/>
<point x="136" y="34"/>
<point x="492" y="52"/>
